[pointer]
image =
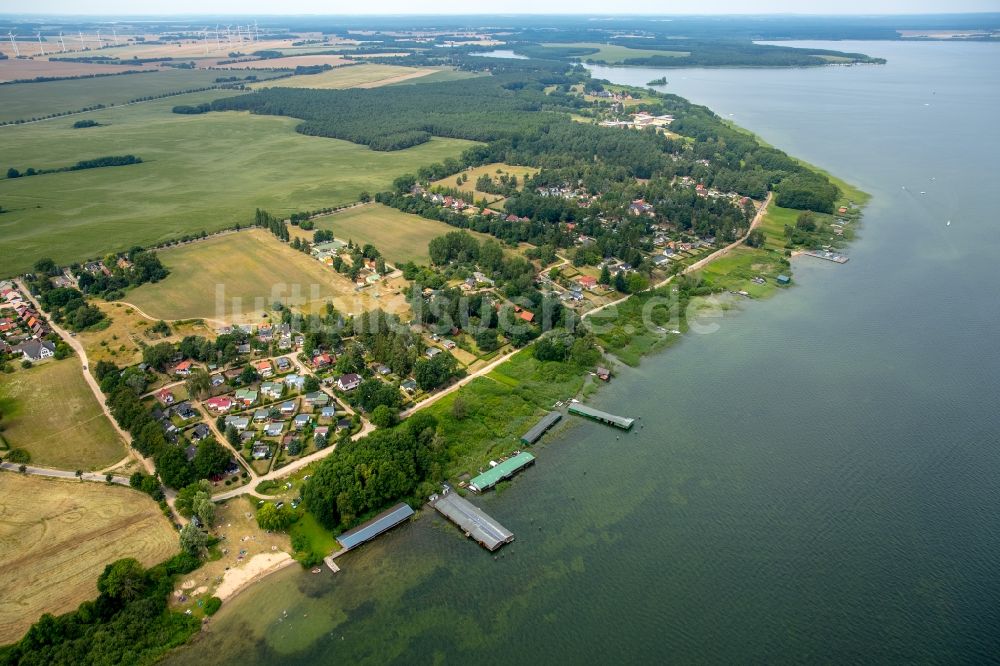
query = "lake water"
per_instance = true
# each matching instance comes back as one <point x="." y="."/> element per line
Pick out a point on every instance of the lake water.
<point x="816" y="481"/>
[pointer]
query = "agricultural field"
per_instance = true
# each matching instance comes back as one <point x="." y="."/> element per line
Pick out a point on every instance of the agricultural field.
<point x="16" y="70"/>
<point x="494" y="170"/>
<point x="439" y="75"/>
<point x="27" y="100"/>
<point x="250" y="265"/>
<point x="366" y="75"/>
<point x="120" y="341"/>
<point x="612" y="53"/>
<point x="399" y="236"/>
<point x="59" y="541"/>
<point x="291" y="62"/>
<point x="50" y="411"/>
<point x="185" y="50"/>
<point x="225" y="164"/>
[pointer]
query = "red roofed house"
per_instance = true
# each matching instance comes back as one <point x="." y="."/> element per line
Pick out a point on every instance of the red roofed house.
<point x="264" y="368"/>
<point x="183" y="368"/>
<point x="165" y="396"/>
<point x="587" y="281"/>
<point x="219" y="404"/>
<point x="322" y="360"/>
<point x="527" y="316"/>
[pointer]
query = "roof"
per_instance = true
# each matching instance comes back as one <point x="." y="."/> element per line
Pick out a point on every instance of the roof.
<point x="541" y="427"/>
<point x="504" y="470"/>
<point x="486" y="531"/>
<point x="604" y="417"/>
<point x="381" y="523"/>
<point x="527" y="316"/>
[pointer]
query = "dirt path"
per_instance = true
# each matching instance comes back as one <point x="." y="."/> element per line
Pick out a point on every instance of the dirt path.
<point x="63" y="474"/>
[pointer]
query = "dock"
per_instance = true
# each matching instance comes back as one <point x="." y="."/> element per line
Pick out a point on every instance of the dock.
<point x="835" y="257"/>
<point x="470" y="519"/>
<point x="501" y="472"/>
<point x="540" y="428"/>
<point x="622" y="422"/>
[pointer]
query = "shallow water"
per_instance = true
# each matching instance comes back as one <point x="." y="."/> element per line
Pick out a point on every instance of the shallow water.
<point x="814" y="481"/>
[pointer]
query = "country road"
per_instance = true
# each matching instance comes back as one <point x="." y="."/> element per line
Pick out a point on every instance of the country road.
<point x="63" y="474"/>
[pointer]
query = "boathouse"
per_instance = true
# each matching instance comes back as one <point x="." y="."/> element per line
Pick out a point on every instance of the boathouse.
<point x="470" y="519"/>
<point x="501" y="471"/>
<point x="383" y="522"/>
<point x="541" y="428"/>
<point x="622" y="422"/>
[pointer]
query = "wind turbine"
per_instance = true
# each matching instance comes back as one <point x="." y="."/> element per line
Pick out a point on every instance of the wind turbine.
<point x="13" y="42"/>
<point x="256" y="31"/>
<point x="63" y="43"/>
<point x="115" y="33"/>
<point x="99" y="39"/>
<point x="218" y="39"/>
<point x="83" y="44"/>
<point x="40" y="46"/>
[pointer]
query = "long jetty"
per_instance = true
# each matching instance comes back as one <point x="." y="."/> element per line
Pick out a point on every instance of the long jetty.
<point x="622" y="422"/>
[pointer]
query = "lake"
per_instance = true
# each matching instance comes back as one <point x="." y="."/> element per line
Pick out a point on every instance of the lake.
<point x="815" y="481"/>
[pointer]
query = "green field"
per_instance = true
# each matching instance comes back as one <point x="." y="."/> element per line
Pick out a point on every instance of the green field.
<point x="251" y="265"/>
<point x="612" y="53"/>
<point x="50" y="411"/>
<point x="26" y="100"/>
<point x="441" y="75"/>
<point x="200" y="172"/>
<point x="399" y="236"/>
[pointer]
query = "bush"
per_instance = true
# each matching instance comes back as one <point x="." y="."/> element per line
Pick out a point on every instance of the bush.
<point x="213" y="605"/>
<point x="19" y="457"/>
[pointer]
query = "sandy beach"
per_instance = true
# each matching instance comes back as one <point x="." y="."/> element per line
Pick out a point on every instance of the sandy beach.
<point x="257" y="567"/>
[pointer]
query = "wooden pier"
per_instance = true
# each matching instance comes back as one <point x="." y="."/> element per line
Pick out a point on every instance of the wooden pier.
<point x="835" y="257"/>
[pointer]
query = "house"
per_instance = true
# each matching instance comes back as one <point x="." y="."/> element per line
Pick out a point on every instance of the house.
<point x="35" y="350"/>
<point x="217" y="379"/>
<point x="246" y="396"/>
<point x="261" y="415"/>
<point x="271" y="390"/>
<point x="603" y="374"/>
<point x="185" y="411"/>
<point x="587" y="281"/>
<point x="449" y="344"/>
<point x="301" y="421"/>
<point x="241" y="423"/>
<point x="323" y="360"/>
<point x="347" y="382"/>
<point x="344" y="424"/>
<point x="321" y="431"/>
<point x="431" y="352"/>
<point x="527" y="316"/>
<point x="200" y="432"/>
<point x="183" y="368"/>
<point x="165" y="396"/>
<point x="243" y="348"/>
<point x="287" y="408"/>
<point x="264" y="368"/>
<point x="220" y="404"/>
<point x="295" y="382"/>
<point x="283" y="364"/>
<point x="409" y="385"/>
<point x="320" y="399"/>
<point x="383" y="370"/>
<point x="274" y="429"/>
<point x="247" y="436"/>
<point x="783" y="279"/>
<point x="260" y="452"/>
<point x="328" y="412"/>
<point x="190" y="452"/>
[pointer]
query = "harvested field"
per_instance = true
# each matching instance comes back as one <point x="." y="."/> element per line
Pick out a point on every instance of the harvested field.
<point x="356" y="76"/>
<point x="15" y="70"/>
<point x="50" y="411"/>
<point x="58" y="543"/>
<point x="251" y="266"/>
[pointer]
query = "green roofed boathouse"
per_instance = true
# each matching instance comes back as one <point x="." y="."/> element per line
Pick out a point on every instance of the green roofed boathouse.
<point x="622" y="422"/>
<point x="502" y="471"/>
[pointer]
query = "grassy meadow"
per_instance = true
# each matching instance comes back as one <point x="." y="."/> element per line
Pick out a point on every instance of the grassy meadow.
<point x="612" y="53"/>
<point x="494" y="170"/>
<point x="399" y="236"/>
<point x="27" y="100"/>
<point x="250" y="265"/>
<point x="199" y="172"/>
<point x="59" y="535"/>
<point x="49" y="411"/>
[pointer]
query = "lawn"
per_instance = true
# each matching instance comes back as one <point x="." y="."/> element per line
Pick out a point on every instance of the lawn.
<point x="736" y="270"/>
<point x="200" y="172"/>
<point x="367" y="75"/>
<point x="612" y="53"/>
<point x="26" y="100"/>
<point x="494" y="170"/>
<point x="57" y="537"/>
<point x="252" y="266"/>
<point x="50" y="411"/>
<point x="399" y="236"/>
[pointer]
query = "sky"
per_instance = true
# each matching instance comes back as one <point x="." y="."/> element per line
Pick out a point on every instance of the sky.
<point x="328" y="7"/>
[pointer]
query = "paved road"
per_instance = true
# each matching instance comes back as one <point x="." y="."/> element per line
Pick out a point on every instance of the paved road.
<point x="63" y="474"/>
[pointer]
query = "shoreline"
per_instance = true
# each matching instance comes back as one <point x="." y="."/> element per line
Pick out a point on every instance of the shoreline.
<point x="242" y="579"/>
